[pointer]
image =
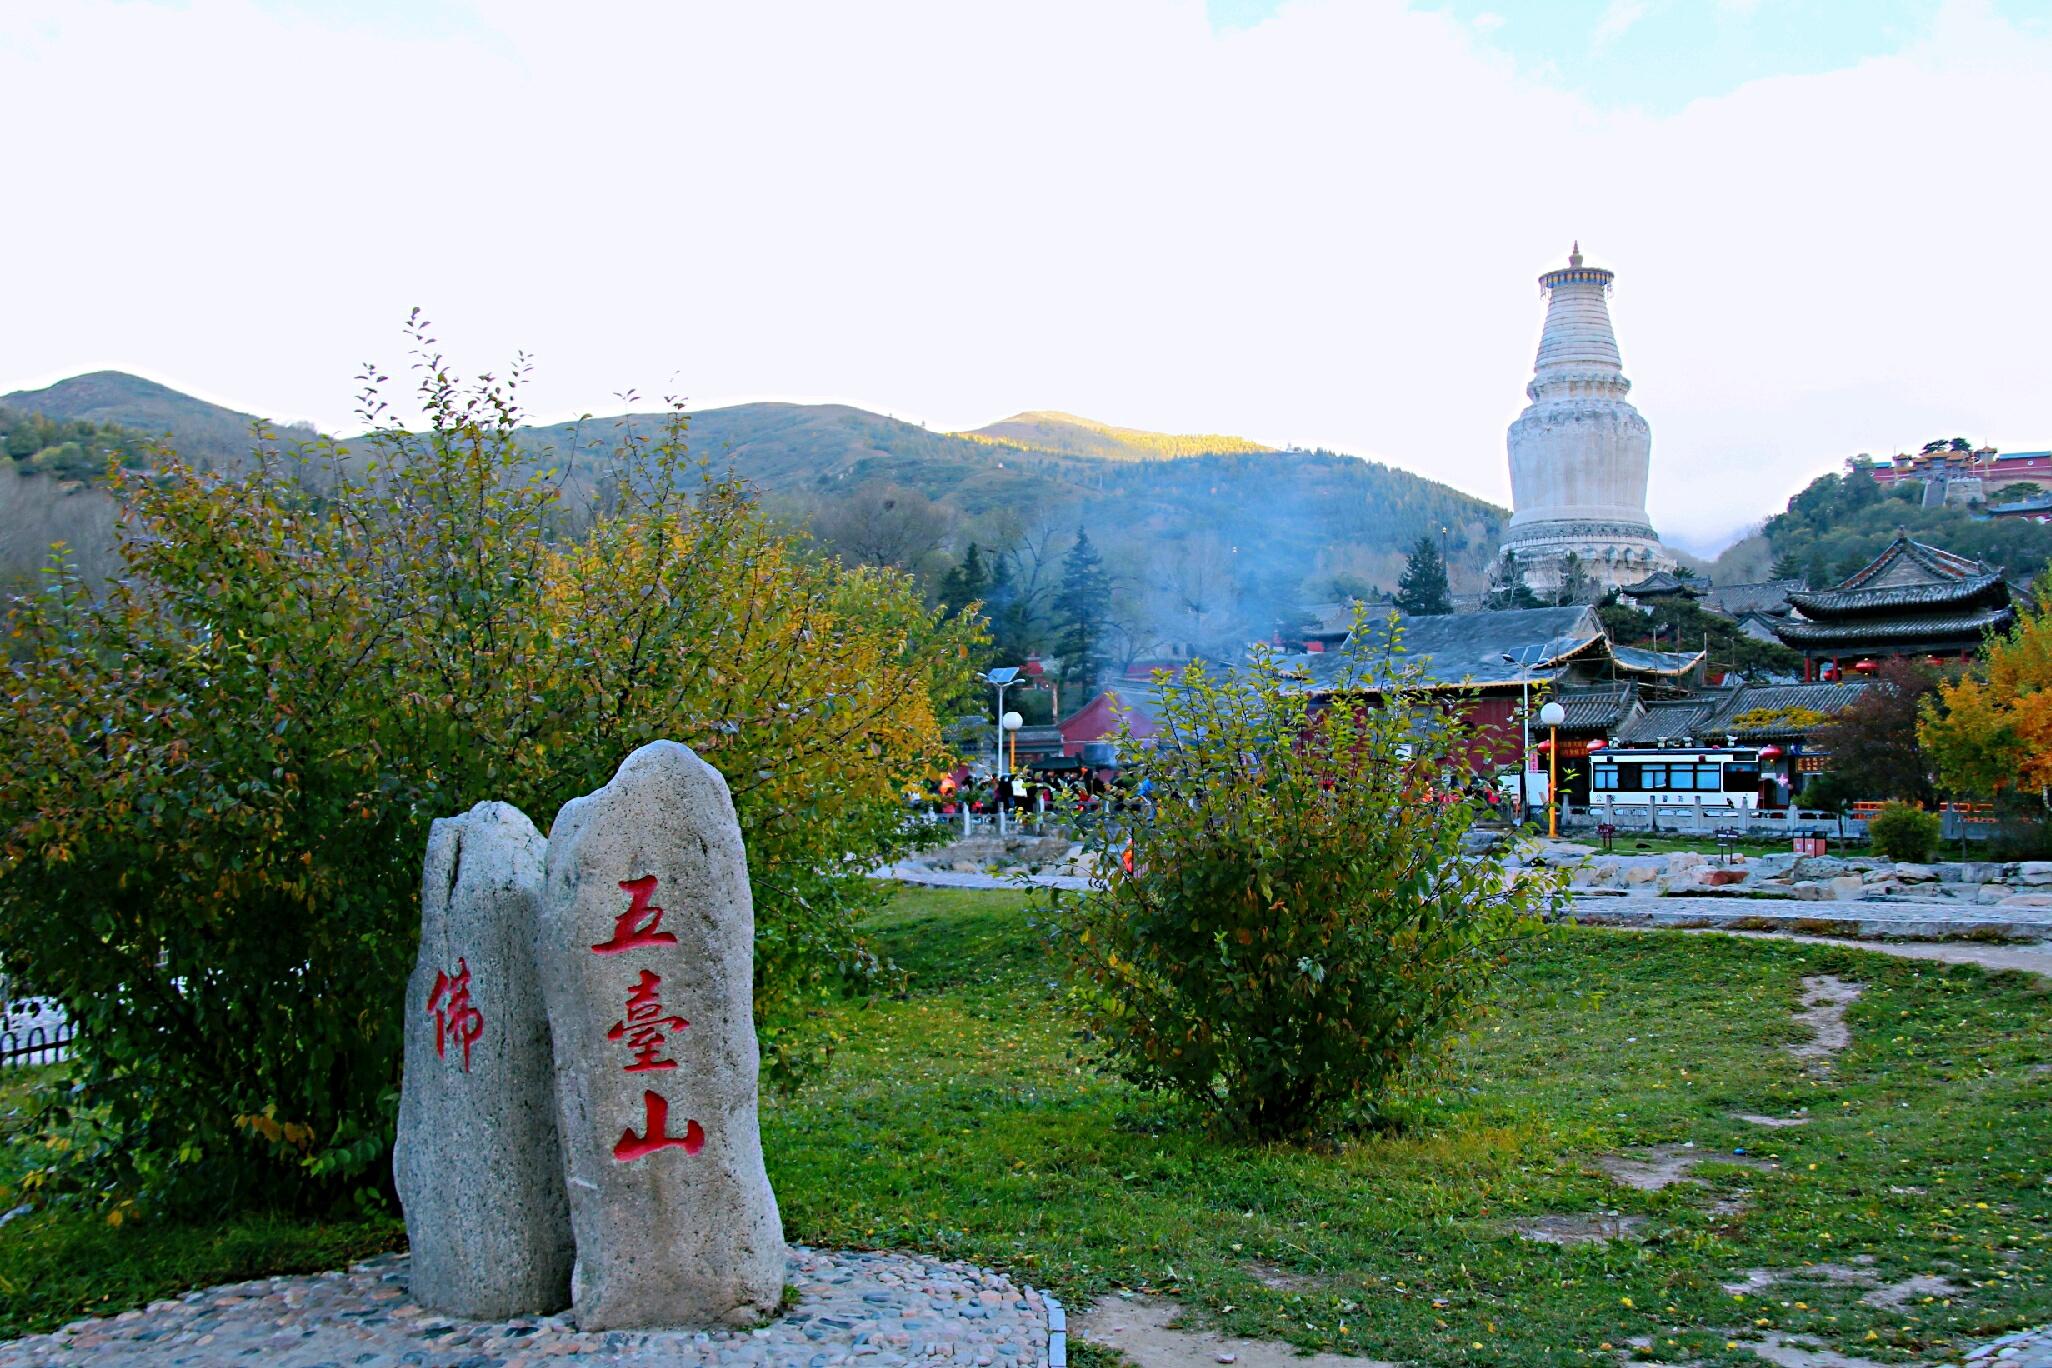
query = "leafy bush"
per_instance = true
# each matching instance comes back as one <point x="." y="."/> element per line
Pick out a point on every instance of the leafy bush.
<point x="220" y="774"/>
<point x="1902" y="832"/>
<point x="1299" y="924"/>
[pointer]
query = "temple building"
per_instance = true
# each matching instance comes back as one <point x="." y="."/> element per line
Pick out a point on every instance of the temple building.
<point x="1580" y="453"/>
<point x="1912" y="600"/>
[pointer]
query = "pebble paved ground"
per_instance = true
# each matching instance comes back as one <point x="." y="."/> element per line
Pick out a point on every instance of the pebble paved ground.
<point x="2025" y="1349"/>
<point x="872" y="1309"/>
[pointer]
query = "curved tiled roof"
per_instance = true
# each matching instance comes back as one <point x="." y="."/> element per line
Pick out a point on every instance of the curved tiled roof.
<point x="1987" y="588"/>
<point x="1708" y="717"/>
<point x="1597" y="709"/>
<point x="1852" y="632"/>
<point x="1736" y="600"/>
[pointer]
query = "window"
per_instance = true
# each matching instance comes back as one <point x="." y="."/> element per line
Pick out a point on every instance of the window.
<point x="1604" y="780"/>
<point x="1741" y="778"/>
<point x="1653" y="776"/>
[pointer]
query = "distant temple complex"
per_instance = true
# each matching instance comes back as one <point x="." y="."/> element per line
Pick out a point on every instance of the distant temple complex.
<point x="1579" y="453"/>
<point x="1911" y="600"/>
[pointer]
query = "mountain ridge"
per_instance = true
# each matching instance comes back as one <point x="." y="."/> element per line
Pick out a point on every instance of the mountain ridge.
<point x="1276" y="526"/>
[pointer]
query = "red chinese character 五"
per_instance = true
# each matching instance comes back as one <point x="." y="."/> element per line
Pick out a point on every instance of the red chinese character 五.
<point x="456" y="1018"/>
<point x="640" y="924"/>
<point x="656" y="1134"/>
<point x="645" y="1025"/>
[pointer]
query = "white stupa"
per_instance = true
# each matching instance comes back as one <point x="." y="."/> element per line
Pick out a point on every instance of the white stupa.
<point x="1579" y="453"/>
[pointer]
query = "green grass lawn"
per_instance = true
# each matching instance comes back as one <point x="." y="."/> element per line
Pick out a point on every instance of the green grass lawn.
<point x="59" y="1264"/>
<point x="963" y="1119"/>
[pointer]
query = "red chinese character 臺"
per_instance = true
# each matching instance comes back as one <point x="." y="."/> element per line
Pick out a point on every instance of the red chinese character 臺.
<point x="456" y="1018"/>
<point x="644" y="1026"/>
<point x="629" y="930"/>
<point x="657" y="1136"/>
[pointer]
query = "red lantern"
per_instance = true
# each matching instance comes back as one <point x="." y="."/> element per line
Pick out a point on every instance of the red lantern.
<point x="1771" y="752"/>
<point x="1598" y="744"/>
<point x="1865" y="666"/>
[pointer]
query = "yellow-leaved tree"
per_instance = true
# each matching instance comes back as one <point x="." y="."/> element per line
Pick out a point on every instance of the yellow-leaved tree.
<point x="221" y="765"/>
<point x="1990" y="732"/>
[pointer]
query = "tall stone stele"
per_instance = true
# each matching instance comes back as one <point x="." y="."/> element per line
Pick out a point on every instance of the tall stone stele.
<point x="1580" y="453"/>
<point x="646" y="951"/>
<point x="478" y="1167"/>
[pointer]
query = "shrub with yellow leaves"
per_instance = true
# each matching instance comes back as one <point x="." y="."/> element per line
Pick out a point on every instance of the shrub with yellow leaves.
<point x="221" y="767"/>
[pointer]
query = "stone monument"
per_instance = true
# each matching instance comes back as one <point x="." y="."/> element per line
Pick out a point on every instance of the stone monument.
<point x="477" y="1164"/>
<point x="646" y="953"/>
<point x="1580" y="453"/>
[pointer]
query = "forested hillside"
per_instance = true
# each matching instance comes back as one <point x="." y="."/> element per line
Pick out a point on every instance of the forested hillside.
<point x="1840" y="522"/>
<point x="1198" y="548"/>
<point x="1070" y="435"/>
<point x="203" y="434"/>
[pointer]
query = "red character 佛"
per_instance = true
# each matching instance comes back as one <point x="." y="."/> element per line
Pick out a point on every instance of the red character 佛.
<point x="456" y="1017"/>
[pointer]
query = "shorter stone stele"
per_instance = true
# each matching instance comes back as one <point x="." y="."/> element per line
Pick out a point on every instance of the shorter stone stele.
<point x="477" y="1165"/>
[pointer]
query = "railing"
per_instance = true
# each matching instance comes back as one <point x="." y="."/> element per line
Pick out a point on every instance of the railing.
<point x="34" y="1031"/>
<point x="1704" y="819"/>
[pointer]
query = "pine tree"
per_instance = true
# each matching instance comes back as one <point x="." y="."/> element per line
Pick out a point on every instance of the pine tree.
<point x="1423" y="592"/>
<point x="1786" y="567"/>
<point x="1507" y="587"/>
<point x="966" y="583"/>
<point x="1081" y="605"/>
<point x="1575" y="584"/>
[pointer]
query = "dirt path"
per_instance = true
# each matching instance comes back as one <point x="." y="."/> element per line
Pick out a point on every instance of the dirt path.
<point x="2027" y="959"/>
<point x="1139" y="1328"/>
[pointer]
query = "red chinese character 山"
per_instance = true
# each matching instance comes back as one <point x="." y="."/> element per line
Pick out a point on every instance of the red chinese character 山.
<point x="655" y="1135"/>
<point x="456" y="1017"/>
<point x="640" y="924"/>
<point x="645" y="1027"/>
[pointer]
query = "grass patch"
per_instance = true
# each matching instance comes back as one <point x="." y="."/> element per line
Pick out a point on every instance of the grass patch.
<point x="962" y="1119"/>
<point x="62" y="1263"/>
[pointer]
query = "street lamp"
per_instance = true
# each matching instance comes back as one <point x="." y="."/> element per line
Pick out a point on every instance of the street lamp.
<point x="1008" y="727"/>
<point x="1551" y="716"/>
<point x="1525" y="730"/>
<point x="1001" y="678"/>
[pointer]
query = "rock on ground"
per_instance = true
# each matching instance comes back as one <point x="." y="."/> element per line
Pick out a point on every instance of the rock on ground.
<point x="646" y="958"/>
<point x="477" y="1165"/>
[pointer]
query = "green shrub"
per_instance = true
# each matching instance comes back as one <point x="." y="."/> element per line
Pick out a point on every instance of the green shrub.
<point x="1902" y="832"/>
<point x="1300" y="924"/>
<point x="219" y="775"/>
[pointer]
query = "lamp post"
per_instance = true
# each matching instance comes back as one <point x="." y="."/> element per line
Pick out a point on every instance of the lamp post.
<point x="1551" y="716"/>
<point x="1524" y="730"/>
<point x="1001" y="678"/>
<point x="1008" y="730"/>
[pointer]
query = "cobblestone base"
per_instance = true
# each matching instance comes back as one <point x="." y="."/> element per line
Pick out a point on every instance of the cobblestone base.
<point x="852" y="1307"/>
<point x="2024" y="1349"/>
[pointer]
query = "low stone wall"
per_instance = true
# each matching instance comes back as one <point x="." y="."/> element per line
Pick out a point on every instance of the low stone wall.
<point x="1815" y="878"/>
<point x="1013" y="854"/>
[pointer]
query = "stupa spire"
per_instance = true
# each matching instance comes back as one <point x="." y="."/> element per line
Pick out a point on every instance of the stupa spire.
<point x="1580" y="453"/>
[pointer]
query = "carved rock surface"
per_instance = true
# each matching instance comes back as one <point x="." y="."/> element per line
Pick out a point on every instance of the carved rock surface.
<point x="478" y="1169"/>
<point x="646" y="953"/>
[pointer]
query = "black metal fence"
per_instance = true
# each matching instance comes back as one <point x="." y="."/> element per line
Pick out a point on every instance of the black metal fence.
<point x="34" y="1031"/>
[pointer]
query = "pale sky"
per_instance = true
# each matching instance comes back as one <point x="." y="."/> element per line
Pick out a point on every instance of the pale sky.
<point x="1313" y="222"/>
